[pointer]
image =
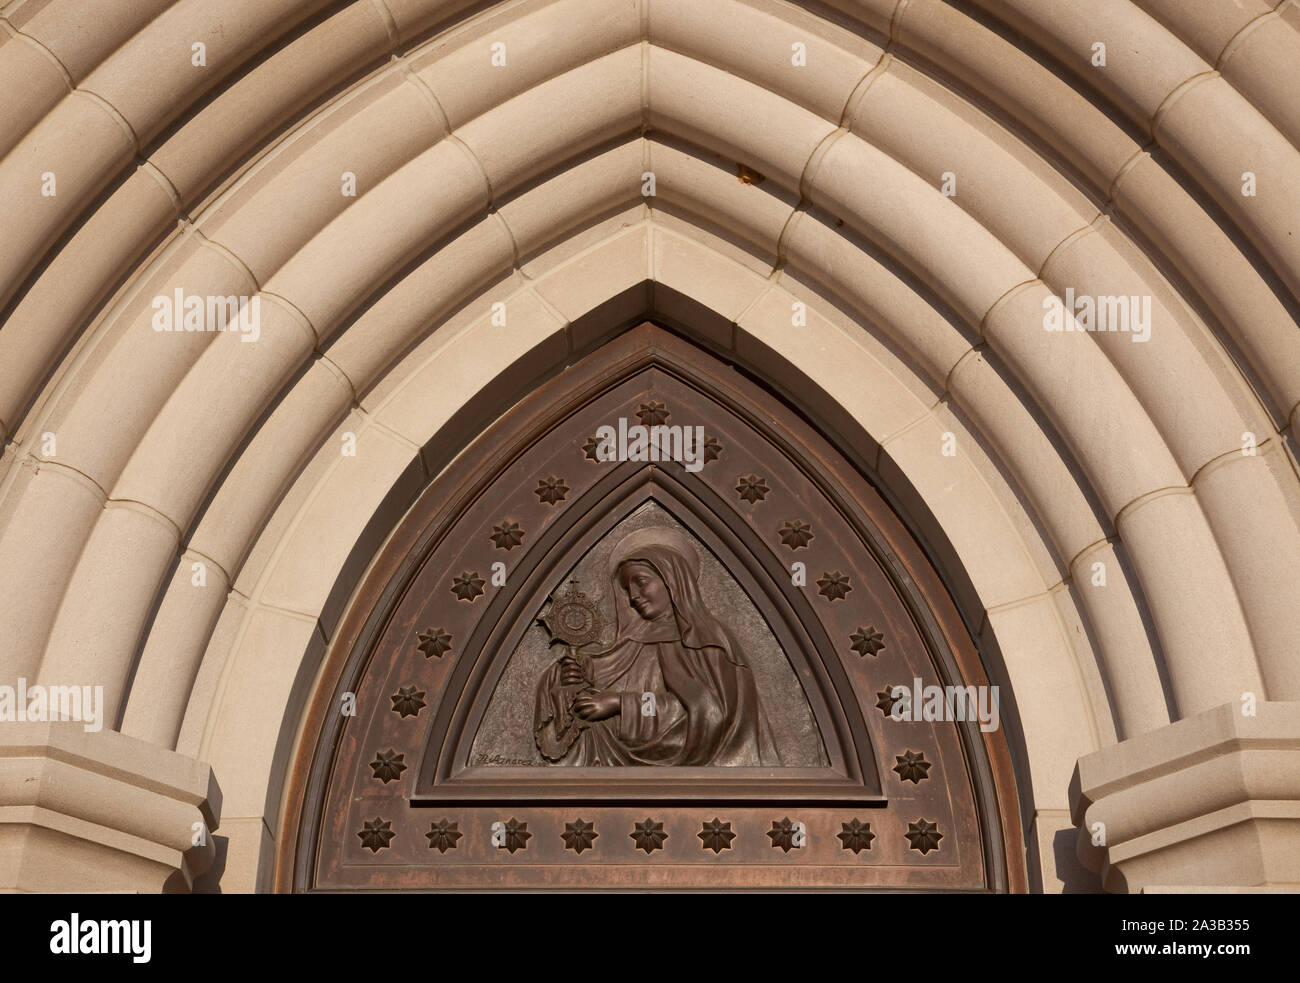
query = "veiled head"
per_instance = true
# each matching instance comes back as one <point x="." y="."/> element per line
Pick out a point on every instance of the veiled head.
<point x="647" y="593"/>
<point x="642" y="544"/>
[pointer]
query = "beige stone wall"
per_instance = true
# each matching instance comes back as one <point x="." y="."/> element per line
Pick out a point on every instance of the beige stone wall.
<point x="131" y="455"/>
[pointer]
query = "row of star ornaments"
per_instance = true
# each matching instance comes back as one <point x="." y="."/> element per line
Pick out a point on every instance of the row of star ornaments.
<point x="715" y="835"/>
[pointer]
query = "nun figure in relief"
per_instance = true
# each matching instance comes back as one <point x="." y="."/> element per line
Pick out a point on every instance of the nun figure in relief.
<point x="672" y="689"/>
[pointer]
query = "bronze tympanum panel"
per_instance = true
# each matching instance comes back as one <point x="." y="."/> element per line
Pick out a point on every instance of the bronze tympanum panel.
<point x="644" y="632"/>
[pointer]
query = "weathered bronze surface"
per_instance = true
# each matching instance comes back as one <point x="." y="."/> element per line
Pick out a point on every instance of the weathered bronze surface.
<point x="524" y="726"/>
<point x="674" y="687"/>
<point x="725" y="628"/>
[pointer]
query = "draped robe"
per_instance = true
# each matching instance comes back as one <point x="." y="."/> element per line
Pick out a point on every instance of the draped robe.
<point x="706" y="707"/>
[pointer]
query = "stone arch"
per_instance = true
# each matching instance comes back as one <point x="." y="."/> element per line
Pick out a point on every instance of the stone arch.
<point x="523" y="187"/>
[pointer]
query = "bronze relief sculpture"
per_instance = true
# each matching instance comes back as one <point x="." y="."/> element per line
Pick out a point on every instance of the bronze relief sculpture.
<point x="484" y="756"/>
<point x="672" y="689"/>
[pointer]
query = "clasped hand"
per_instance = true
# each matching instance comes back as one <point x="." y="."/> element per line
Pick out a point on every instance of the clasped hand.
<point x="588" y="706"/>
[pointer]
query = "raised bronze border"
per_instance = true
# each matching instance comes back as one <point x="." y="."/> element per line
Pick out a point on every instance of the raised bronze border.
<point x="849" y="780"/>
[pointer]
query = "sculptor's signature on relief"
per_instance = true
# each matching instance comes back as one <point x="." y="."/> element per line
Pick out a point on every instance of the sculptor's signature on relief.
<point x="501" y="759"/>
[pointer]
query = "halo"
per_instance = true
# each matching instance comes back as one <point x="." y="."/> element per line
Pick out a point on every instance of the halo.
<point x="662" y="536"/>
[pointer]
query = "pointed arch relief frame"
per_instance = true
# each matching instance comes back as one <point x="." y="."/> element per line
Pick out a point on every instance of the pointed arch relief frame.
<point x="387" y="617"/>
<point x="447" y="776"/>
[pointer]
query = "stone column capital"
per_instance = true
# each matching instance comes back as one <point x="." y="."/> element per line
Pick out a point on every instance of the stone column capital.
<point x="1210" y="801"/>
<point x="100" y="811"/>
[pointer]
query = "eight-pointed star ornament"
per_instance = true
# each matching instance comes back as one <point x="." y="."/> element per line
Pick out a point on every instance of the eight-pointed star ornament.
<point x="912" y="766"/>
<point x="795" y="534"/>
<point x="867" y="641"/>
<point x="856" y="835"/>
<point x="434" y="642"/>
<point x="653" y="414"/>
<point x="752" y="488"/>
<point x="408" y="702"/>
<point x="468" y="586"/>
<point x="376" y="834"/>
<point x="516" y="835"/>
<point x="579" y="835"/>
<point x="507" y="536"/>
<point x="551" y="490"/>
<point x="885" y="701"/>
<point x="649" y="835"/>
<point x="443" y="835"/>
<point x="388" y="765"/>
<point x="785" y="833"/>
<point x="924" y="836"/>
<point x="833" y="585"/>
<point x="717" y="835"/>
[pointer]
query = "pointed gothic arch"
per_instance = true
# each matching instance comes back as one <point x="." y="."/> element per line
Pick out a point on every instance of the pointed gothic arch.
<point x="1119" y="524"/>
<point x="408" y="633"/>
